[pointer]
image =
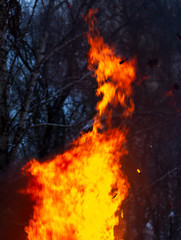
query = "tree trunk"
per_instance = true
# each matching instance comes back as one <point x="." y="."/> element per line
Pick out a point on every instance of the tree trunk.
<point x="22" y="126"/>
<point x="3" y="87"/>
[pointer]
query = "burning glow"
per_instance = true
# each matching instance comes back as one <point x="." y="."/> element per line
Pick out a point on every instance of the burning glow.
<point x="77" y="194"/>
<point x="138" y="171"/>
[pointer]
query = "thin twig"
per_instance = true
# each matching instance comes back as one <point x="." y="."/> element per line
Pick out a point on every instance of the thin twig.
<point x="61" y="125"/>
<point x="46" y="101"/>
<point x="160" y="178"/>
<point x="155" y="182"/>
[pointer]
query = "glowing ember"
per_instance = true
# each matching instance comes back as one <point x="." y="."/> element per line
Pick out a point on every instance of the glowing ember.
<point x="77" y="194"/>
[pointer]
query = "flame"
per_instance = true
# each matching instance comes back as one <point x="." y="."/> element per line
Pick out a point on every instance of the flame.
<point x="76" y="195"/>
<point x="114" y="79"/>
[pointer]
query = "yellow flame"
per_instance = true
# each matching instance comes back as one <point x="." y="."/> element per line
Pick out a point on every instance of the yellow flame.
<point x="74" y="193"/>
<point x="122" y="214"/>
<point x="138" y="171"/>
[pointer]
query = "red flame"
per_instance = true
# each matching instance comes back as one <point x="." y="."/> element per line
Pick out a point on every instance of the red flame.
<point x="77" y="194"/>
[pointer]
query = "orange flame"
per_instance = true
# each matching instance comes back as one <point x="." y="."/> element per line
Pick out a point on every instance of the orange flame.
<point x="77" y="194"/>
<point x="114" y="79"/>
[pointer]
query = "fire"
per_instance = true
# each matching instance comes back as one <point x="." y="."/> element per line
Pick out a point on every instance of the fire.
<point x="76" y="195"/>
<point x="114" y="79"/>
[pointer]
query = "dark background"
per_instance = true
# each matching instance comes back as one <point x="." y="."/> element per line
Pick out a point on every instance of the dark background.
<point x="47" y="97"/>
